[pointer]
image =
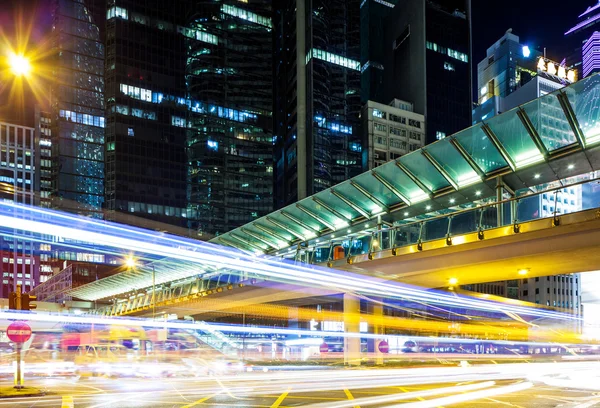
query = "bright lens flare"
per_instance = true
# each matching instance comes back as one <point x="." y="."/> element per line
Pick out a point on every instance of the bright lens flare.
<point x="130" y="262"/>
<point x="19" y="65"/>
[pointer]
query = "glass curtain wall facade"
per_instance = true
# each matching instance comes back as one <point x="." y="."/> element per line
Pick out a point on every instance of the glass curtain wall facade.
<point x="428" y="62"/>
<point x="230" y="141"/>
<point x="147" y="114"/>
<point x="19" y="264"/>
<point x="78" y="107"/>
<point x="317" y="96"/>
<point x="373" y="19"/>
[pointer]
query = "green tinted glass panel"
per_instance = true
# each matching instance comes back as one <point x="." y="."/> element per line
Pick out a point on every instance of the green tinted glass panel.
<point x="270" y="227"/>
<point x="480" y="148"/>
<point x="550" y="121"/>
<point x="291" y="226"/>
<point x="453" y="163"/>
<point x="355" y="197"/>
<point x="424" y="171"/>
<point x="402" y="182"/>
<point x="378" y="190"/>
<point x="272" y="240"/>
<point x="332" y="201"/>
<point x="584" y="97"/>
<point x="303" y="217"/>
<point x="323" y="214"/>
<point x="511" y="133"/>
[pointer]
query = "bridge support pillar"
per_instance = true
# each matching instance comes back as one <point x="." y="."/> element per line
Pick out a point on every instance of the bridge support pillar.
<point x="351" y="325"/>
<point x="377" y="320"/>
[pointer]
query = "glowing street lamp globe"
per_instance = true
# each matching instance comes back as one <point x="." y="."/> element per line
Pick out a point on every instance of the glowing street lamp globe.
<point x="130" y="262"/>
<point x="19" y="65"/>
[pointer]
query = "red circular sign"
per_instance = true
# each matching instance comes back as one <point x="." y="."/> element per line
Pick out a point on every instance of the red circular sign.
<point x="383" y="346"/>
<point x="19" y="332"/>
<point x="324" y="348"/>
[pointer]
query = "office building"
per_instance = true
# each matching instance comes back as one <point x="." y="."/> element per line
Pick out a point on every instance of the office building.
<point x="188" y="143"/>
<point x="585" y="32"/>
<point x="510" y="75"/>
<point x="390" y="131"/>
<point x="146" y="112"/>
<point x="427" y="50"/>
<point x="70" y="275"/>
<point x="373" y="49"/>
<point x="78" y="107"/>
<point x="20" y="265"/>
<point x="317" y="99"/>
<point x="230" y="142"/>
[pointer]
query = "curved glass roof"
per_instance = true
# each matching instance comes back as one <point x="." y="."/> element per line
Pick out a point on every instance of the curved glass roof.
<point x="545" y="140"/>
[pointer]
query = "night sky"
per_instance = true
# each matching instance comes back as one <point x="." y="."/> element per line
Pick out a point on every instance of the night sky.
<point x="538" y="23"/>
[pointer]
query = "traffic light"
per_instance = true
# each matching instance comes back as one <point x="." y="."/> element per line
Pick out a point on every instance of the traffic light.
<point x="12" y="301"/>
<point x="26" y="300"/>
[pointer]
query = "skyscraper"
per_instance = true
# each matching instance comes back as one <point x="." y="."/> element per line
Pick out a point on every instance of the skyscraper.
<point x="428" y="62"/>
<point x="146" y="112"/>
<point x="316" y="96"/>
<point x="585" y="33"/>
<point x="20" y="265"/>
<point x="510" y="75"/>
<point x="374" y="15"/>
<point x="188" y="90"/>
<point x="78" y="107"/>
<point x="229" y="78"/>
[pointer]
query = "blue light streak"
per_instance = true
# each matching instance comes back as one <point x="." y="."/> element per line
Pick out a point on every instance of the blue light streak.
<point x="144" y="242"/>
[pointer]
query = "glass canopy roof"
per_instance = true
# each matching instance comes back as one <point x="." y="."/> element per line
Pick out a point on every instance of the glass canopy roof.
<point x="545" y="140"/>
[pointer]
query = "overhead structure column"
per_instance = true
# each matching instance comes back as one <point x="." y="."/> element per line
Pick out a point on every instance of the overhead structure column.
<point x="499" y="207"/>
<point x="377" y="323"/>
<point x="501" y="187"/>
<point x="351" y="325"/>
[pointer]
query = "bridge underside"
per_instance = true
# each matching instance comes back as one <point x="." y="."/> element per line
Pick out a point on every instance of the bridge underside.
<point x="234" y="301"/>
<point x="540" y="247"/>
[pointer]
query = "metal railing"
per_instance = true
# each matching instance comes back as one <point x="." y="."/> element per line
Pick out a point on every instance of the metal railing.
<point x="550" y="203"/>
<point x="168" y="294"/>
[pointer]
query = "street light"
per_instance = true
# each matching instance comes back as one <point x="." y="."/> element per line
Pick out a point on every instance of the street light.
<point x="19" y="64"/>
<point x="130" y="262"/>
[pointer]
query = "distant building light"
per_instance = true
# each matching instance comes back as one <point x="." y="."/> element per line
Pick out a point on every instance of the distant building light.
<point x="526" y="51"/>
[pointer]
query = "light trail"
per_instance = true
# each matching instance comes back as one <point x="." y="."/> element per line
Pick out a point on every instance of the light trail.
<point x="230" y="328"/>
<point x="187" y="250"/>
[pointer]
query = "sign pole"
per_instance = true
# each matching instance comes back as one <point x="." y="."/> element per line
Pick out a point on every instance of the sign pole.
<point x="18" y="374"/>
<point x="19" y="333"/>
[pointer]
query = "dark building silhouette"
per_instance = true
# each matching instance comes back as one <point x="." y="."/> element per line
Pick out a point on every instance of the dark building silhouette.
<point x="316" y="96"/>
<point x="428" y="62"/>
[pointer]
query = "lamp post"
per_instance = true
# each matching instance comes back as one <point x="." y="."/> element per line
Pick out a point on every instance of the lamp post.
<point x="130" y="262"/>
<point x="153" y="292"/>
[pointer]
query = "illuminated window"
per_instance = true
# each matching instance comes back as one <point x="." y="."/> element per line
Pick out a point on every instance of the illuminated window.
<point x="379" y="114"/>
<point x="177" y="121"/>
<point x="333" y="59"/>
<point x="448" y="51"/>
<point x="119" y="12"/>
<point x="246" y="15"/>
